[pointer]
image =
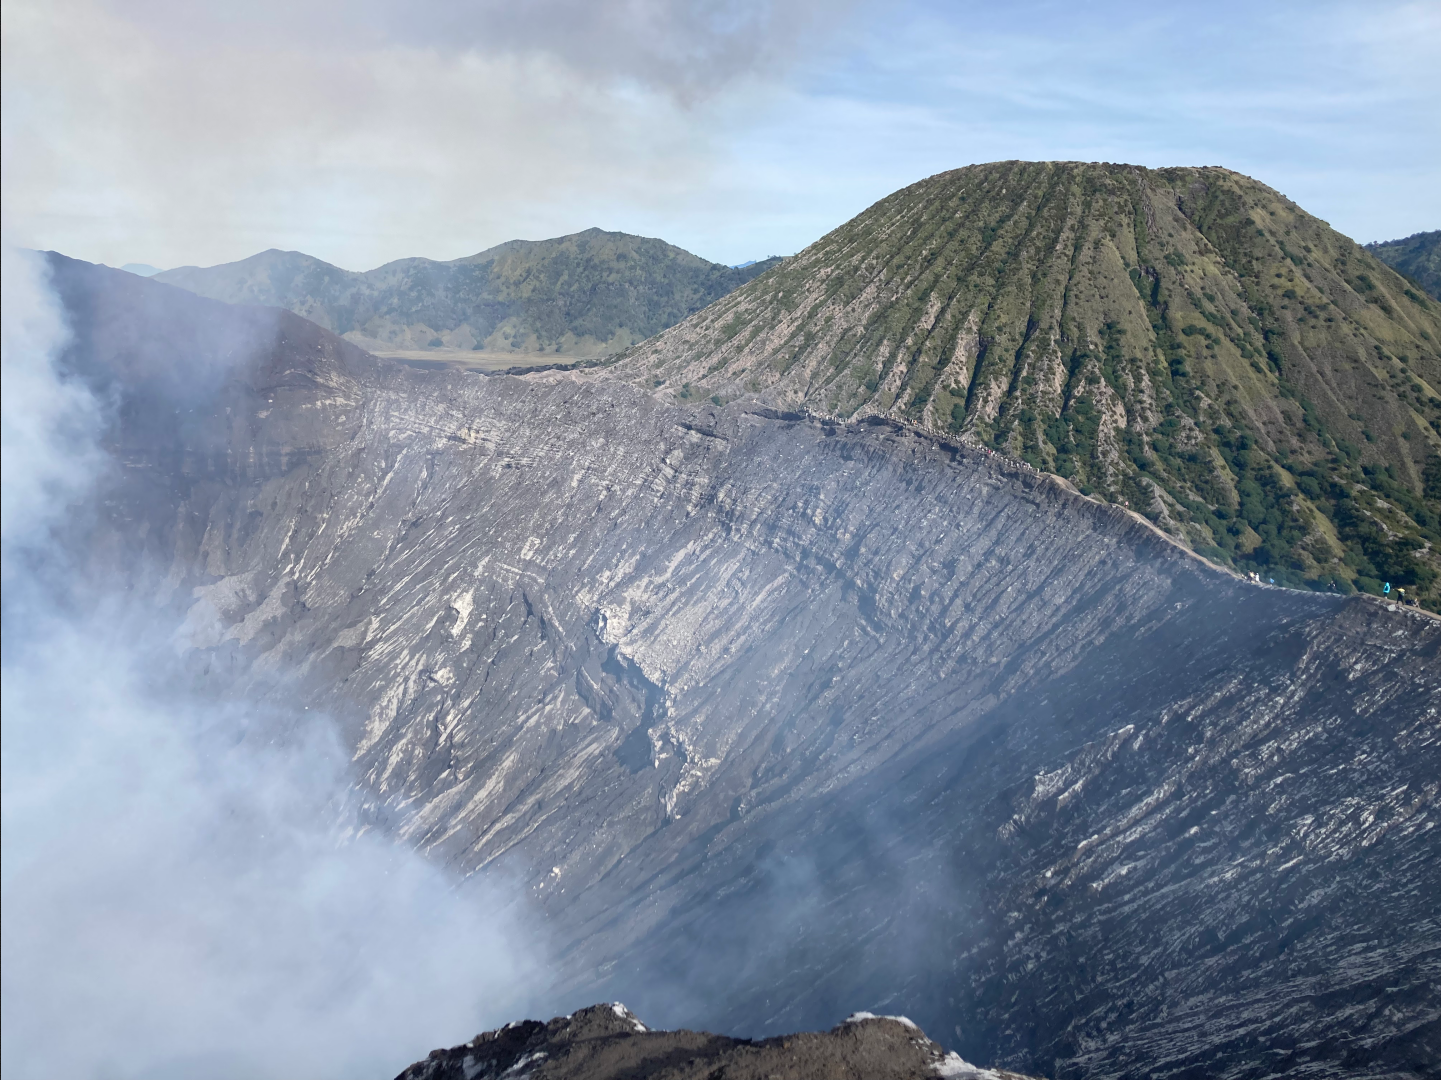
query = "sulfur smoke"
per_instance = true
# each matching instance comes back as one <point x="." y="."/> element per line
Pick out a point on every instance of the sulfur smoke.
<point x="188" y="886"/>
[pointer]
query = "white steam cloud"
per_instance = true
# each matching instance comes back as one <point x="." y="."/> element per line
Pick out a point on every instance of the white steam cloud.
<point x="187" y="891"/>
<point x="47" y="442"/>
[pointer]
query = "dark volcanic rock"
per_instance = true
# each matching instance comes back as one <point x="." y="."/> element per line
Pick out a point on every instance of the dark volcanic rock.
<point x="607" y="1041"/>
<point x="778" y="718"/>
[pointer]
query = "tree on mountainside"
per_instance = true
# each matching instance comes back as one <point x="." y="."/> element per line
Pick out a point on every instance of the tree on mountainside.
<point x="1433" y="478"/>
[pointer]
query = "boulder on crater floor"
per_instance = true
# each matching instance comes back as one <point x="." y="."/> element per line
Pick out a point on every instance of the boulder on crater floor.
<point x="608" y="1041"/>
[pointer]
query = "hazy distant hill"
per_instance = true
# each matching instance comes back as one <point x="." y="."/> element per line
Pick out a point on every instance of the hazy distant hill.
<point x="1418" y="257"/>
<point x="587" y="294"/>
<point x="1187" y="341"/>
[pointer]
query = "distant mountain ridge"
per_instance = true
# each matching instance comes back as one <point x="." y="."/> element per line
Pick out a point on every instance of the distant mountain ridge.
<point x="587" y="294"/>
<point x="1418" y="256"/>
<point x="1186" y="341"/>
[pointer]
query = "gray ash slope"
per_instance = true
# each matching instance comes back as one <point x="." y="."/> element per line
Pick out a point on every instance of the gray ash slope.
<point x="608" y="1042"/>
<point x="778" y="719"/>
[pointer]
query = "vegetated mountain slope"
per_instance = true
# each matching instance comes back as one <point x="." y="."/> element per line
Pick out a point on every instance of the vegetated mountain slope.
<point x="587" y="294"/>
<point x="1186" y="341"/>
<point x="1418" y="256"/>
<point x="776" y="718"/>
<point x="608" y="1042"/>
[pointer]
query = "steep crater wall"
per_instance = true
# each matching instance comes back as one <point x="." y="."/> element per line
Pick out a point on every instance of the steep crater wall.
<point x="778" y="718"/>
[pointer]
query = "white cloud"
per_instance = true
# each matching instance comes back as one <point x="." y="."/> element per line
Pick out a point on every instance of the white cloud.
<point x="737" y="128"/>
<point x="130" y="138"/>
<point x="357" y="156"/>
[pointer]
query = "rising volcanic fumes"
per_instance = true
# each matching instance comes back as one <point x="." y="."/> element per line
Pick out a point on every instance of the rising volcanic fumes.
<point x="189" y="886"/>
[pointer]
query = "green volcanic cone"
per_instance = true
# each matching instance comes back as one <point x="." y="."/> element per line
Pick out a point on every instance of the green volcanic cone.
<point x="1187" y="341"/>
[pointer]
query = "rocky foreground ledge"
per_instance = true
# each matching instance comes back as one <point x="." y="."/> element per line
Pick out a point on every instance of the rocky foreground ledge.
<point x="607" y="1041"/>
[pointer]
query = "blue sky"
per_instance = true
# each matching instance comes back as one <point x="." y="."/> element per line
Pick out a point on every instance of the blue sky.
<point x="735" y="128"/>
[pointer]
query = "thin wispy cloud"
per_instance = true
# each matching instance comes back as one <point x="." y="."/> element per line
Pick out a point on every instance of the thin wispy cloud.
<point x="362" y="133"/>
